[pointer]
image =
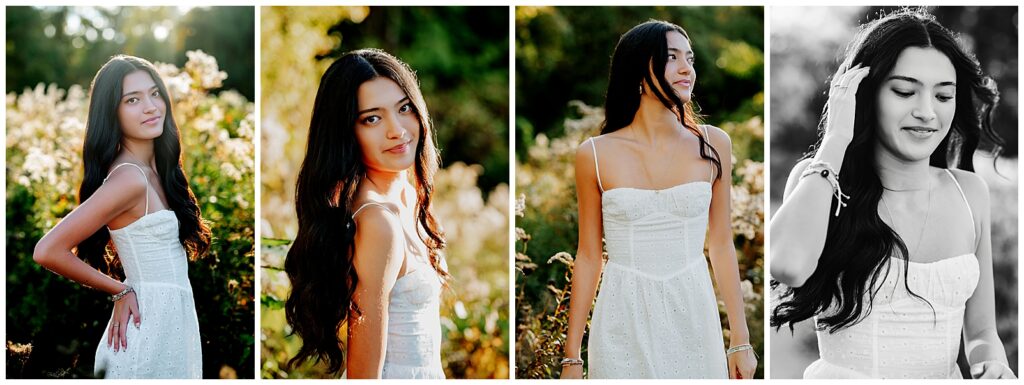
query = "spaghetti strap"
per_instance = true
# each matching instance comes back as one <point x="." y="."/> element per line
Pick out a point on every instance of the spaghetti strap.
<point x="966" y="203"/>
<point x="597" y="168"/>
<point x="707" y="139"/>
<point x="144" y="178"/>
<point x="367" y="204"/>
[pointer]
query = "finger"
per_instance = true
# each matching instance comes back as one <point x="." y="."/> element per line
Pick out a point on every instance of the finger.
<point x="110" y="333"/>
<point x="977" y="370"/>
<point x="116" y="337"/>
<point x="991" y="372"/>
<point x="123" y="331"/>
<point x="136" y="314"/>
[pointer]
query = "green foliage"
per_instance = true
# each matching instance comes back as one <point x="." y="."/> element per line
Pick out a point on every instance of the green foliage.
<point x="563" y="54"/>
<point x="65" y="45"/>
<point x="547" y="223"/>
<point x="58" y="322"/>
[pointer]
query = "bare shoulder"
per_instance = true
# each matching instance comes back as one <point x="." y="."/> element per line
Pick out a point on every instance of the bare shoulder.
<point x="379" y="242"/>
<point x="973" y="185"/>
<point x="124" y="183"/>
<point x="717" y="137"/>
<point x="585" y="154"/>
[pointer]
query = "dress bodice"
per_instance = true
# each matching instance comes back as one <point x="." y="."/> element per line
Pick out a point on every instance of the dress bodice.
<point x="902" y="337"/>
<point x="656" y="232"/>
<point x="150" y="250"/>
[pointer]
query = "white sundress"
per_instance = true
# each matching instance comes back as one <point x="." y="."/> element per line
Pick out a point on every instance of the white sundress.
<point x="167" y="343"/>
<point x="656" y="314"/>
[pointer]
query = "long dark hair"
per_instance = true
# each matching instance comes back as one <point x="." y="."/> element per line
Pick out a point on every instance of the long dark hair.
<point x="858" y="244"/>
<point x="102" y="145"/>
<point x="640" y="56"/>
<point x="319" y="263"/>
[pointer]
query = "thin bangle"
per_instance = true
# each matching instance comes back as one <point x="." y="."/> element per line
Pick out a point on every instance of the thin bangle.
<point x="571" y="361"/>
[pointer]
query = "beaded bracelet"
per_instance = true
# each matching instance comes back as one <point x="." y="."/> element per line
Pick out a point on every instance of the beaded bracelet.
<point x="118" y="296"/>
<point x="571" y="361"/>
<point x="826" y="171"/>
<point x="738" y="348"/>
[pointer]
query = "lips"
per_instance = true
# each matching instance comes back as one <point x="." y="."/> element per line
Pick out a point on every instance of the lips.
<point x="683" y="83"/>
<point x="920" y="131"/>
<point x="152" y="120"/>
<point x="399" y="149"/>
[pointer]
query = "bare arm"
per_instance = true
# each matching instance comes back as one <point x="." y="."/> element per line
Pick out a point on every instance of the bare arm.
<point x="981" y="340"/>
<point x="53" y="251"/>
<point x="379" y="251"/>
<point x="586" y="270"/>
<point x="800" y="225"/>
<point x="722" y="252"/>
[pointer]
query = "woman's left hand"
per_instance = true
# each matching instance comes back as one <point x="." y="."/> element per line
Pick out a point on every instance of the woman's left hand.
<point x="991" y="370"/>
<point x="742" y="365"/>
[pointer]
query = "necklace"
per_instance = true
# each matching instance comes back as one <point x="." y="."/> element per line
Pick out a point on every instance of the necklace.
<point x="927" y="212"/>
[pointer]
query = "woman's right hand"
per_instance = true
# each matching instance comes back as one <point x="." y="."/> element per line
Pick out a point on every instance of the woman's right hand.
<point x="127" y="306"/>
<point x="842" y="100"/>
<point x="572" y="372"/>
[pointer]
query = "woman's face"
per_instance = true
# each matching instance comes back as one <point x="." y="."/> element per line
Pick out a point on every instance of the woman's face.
<point x="679" y="70"/>
<point x="916" y="103"/>
<point x="141" y="109"/>
<point x="387" y="127"/>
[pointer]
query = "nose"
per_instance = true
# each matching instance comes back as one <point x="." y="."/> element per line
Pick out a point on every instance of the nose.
<point x="150" y="105"/>
<point x="925" y="110"/>
<point x="395" y="130"/>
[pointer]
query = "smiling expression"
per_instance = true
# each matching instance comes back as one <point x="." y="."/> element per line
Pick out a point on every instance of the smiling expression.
<point x="142" y="107"/>
<point x="679" y="71"/>
<point x="387" y="126"/>
<point x="916" y="103"/>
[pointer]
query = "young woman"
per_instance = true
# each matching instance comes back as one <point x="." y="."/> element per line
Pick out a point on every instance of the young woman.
<point x="884" y="235"/>
<point x="367" y="254"/>
<point x="653" y="185"/>
<point x="135" y="196"/>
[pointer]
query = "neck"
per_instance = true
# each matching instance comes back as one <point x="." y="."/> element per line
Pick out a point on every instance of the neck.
<point x="653" y="121"/>
<point x="392" y="185"/>
<point x="141" y="151"/>
<point x="899" y="174"/>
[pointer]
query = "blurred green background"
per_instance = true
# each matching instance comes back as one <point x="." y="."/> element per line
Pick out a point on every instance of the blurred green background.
<point x="562" y="59"/>
<point x="807" y="44"/>
<point x="53" y="324"/>
<point x="460" y="55"/>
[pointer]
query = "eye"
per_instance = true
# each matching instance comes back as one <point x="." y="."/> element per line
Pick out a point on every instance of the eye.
<point x="406" y="108"/>
<point x="690" y="59"/>
<point x="372" y="119"/>
<point x="944" y="98"/>
<point x="903" y="94"/>
<point x="131" y="100"/>
<point x="672" y="57"/>
<point x="156" y="94"/>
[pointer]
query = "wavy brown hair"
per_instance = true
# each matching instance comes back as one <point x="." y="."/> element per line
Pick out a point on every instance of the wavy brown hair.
<point x="319" y="263"/>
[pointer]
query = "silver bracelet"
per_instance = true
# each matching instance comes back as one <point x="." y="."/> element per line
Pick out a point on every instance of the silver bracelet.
<point x="738" y="348"/>
<point x="118" y="296"/>
<point x="571" y="361"/>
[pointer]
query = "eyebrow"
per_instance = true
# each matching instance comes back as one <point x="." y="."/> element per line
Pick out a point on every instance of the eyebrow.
<point x="912" y="80"/>
<point x="670" y="49"/>
<point x="403" y="101"/>
<point x="137" y="92"/>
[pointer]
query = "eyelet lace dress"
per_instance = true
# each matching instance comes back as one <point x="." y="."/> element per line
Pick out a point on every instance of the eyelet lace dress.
<point x="901" y="337"/>
<point x="167" y="343"/>
<point x="414" y="322"/>
<point x="656" y="314"/>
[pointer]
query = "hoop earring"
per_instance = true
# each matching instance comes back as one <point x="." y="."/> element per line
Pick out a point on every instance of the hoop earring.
<point x="641" y="88"/>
